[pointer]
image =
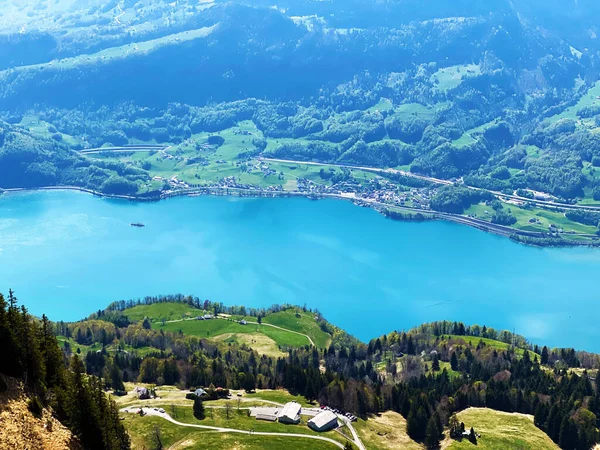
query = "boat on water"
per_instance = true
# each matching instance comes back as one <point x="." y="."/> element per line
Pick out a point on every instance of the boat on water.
<point x="138" y="225"/>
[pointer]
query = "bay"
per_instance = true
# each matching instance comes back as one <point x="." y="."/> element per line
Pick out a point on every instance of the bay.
<point x="67" y="254"/>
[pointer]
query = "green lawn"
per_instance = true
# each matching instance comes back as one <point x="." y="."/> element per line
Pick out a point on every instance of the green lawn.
<point x="159" y="311"/>
<point x="240" y="419"/>
<point x="181" y="317"/>
<point x="215" y="327"/>
<point x="301" y="322"/>
<point x="501" y="431"/>
<point x="278" y="396"/>
<point x="142" y="430"/>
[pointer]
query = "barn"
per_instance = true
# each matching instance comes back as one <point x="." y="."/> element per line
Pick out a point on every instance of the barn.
<point x="324" y="421"/>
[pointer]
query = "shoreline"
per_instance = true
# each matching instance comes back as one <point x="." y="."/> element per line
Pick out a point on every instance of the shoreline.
<point x="393" y="212"/>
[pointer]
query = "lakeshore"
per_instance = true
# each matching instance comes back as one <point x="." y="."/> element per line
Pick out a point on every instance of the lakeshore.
<point x="395" y="212"/>
<point x="78" y="253"/>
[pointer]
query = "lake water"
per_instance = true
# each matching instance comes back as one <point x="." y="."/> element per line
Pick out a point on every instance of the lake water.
<point x="68" y="254"/>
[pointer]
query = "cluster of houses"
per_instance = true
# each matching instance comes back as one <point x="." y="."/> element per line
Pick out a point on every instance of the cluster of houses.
<point x="377" y="189"/>
<point x="173" y="182"/>
<point x="291" y="412"/>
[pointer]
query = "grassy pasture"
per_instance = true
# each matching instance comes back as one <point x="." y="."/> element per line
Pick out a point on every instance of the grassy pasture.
<point x="110" y="54"/>
<point x="213" y="328"/>
<point x="498" y="345"/>
<point x="180" y="317"/>
<point x="591" y="98"/>
<point x="500" y="431"/>
<point x="386" y="431"/>
<point x="450" y="77"/>
<point x="177" y="437"/>
<point x="159" y="311"/>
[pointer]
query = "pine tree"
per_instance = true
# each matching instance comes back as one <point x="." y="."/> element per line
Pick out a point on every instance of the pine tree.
<point x="199" y="412"/>
<point x="454" y="425"/>
<point x="432" y="434"/>
<point x="544" y="357"/>
<point x="410" y="347"/>
<point x="568" y="434"/>
<point x="472" y="436"/>
<point x="116" y="378"/>
<point x="454" y="361"/>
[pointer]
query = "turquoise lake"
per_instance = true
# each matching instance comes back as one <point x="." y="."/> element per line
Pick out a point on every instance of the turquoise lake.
<point x="68" y="254"/>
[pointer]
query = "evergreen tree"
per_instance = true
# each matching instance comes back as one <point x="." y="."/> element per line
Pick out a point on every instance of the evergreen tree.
<point x="199" y="412"/>
<point x="116" y="379"/>
<point x="544" y="357"/>
<point x="472" y="436"/>
<point x="568" y="434"/>
<point x="454" y="426"/>
<point x="432" y="434"/>
<point x="410" y="346"/>
<point x="454" y="361"/>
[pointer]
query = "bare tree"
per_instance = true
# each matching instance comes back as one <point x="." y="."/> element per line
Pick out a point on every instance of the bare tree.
<point x="173" y="412"/>
<point x="412" y="367"/>
<point x="227" y="409"/>
<point x="239" y="401"/>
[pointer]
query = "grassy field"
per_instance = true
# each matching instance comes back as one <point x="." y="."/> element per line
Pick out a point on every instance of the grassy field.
<point x="450" y="77"/>
<point x="386" y="431"/>
<point x="110" y="54"/>
<point x="500" y="431"/>
<point x="176" y="437"/>
<point x="523" y="215"/>
<point x="263" y="338"/>
<point x="239" y="418"/>
<point x="471" y="135"/>
<point x="588" y="99"/>
<point x="216" y="327"/>
<point x="474" y="341"/>
<point x="159" y="311"/>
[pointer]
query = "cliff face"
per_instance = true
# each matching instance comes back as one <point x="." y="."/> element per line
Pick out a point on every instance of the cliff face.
<point x="21" y="430"/>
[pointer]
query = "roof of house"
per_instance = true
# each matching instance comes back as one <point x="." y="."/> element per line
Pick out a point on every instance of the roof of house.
<point x="290" y="410"/>
<point x="323" y="418"/>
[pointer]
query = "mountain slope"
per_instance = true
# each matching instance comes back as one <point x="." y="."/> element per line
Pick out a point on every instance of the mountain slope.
<point x="21" y="430"/>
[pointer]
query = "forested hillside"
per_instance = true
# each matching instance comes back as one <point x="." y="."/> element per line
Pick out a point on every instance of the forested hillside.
<point x="497" y="94"/>
<point x="426" y="374"/>
<point x="30" y="353"/>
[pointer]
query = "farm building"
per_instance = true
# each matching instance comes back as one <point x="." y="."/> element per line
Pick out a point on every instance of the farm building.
<point x="290" y="413"/>
<point x="142" y="393"/>
<point x="324" y="421"/>
<point x="267" y="417"/>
